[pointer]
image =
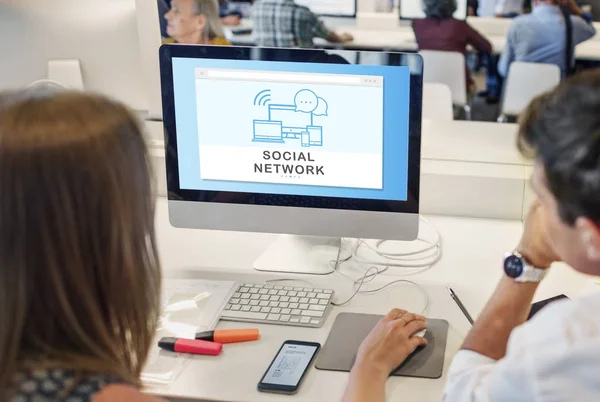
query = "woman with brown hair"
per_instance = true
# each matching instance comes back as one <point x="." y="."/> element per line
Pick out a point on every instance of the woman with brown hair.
<point x="79" y="271"/>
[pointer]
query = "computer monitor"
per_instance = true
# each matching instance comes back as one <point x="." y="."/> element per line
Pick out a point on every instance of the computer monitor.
<point x="101" y="35"/>
<point x="331" y="8"/>
<point x="413" y="9"/>
<point x="292" y="141"/>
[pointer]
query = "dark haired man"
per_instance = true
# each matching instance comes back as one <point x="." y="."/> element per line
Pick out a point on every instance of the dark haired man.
<point x="555" y="356"/>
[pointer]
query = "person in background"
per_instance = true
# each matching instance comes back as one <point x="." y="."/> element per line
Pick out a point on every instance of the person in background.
<point x="79" y="271"/>
<point x="283" y="23"/>
<point x="228" y="15"/>
<point x="195" y="22"/>
<point x="555" y="357"/>
<point x="441" y="31"/>
<point x="540" y="37"/>
<point x="500" y="8"/>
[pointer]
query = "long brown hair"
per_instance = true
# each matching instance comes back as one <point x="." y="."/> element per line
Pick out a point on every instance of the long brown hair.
<point x="79" y="272"/>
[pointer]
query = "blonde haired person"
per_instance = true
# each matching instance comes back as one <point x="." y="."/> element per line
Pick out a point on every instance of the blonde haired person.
<point x="195" y="22"/>
<point x="79" y="271"/>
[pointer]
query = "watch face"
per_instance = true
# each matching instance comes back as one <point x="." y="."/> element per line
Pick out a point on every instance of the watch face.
<point x="513" y="266"/>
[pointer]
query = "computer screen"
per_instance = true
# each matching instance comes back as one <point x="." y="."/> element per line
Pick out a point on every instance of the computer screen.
<point x="224" y="145"/>
<point x="413" y="9"/>
<point x="334" y="8"/>
<point x="264" y="132"/>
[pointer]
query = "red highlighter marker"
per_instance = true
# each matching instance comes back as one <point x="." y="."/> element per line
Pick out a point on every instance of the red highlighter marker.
<point x="193" y="346"/>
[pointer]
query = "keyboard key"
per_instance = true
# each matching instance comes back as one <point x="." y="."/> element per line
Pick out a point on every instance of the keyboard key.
<point x="295" y="319"/>
<point x="310" y="313"/>
<point x="265" y="310"/>
<point x="273" y="304"/>
<point x="282" y="293"/>
<point x="324" y="302"/>
<point x="254" y="302"/>
<point x="322" y="296"/>
<point x="328" y="291"/>
<point x="228" y="307"/>
<point x="236" y="307"/>
<point x="296" y="312"/>
<point x="285" y="299"/>
<point x="255" y="309"/>
<point x="244" y="315"/>
<point x="279" y="287"/>
<point x="244" y="302"/>
<point x="318" y="290"/>
<point x="253" y="291"/>
<point x="236" y="296"/>
<point x="286" y="311"/>
<point x="294" y="300"/>
<point x="272" y="292"/>
<point x="311" y="295"/>
<point x="275" y="298"/>
<point x="265" y="297"/>
<point x="308" y="289"/>
<point x="303" y="306"/>
<point x="317" y="307"/>
<point x="301" y="294"/>
<point x="259" y="286"/>
<point x="263" y="291"/>
<point x="268" y="287"/>
<point x="284" y="318"/>
<point x="246" y="296"/>
<point x="234" y="301"/>
<point x="294" y="305"/>
<point x="246" y="308"/>
<point x="248" y="285"/>
<point x="314" y="321"/>
<point x="292" y="293"/>
<point x="276" y="310"/>
<point x="263" y="303"/>
<point x="244" y="290"/>
<point x="273" y="317"/>
<point x="305" y="320"/>
<point x="284" y="304"/>
<point x="313" y="301"/>
<point x="255" y="297"/>
<point x="304" y="300"/>
<point x="288" y="288"/>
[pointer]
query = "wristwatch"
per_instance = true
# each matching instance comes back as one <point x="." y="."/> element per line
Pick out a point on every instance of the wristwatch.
<point x="516" y="267"/>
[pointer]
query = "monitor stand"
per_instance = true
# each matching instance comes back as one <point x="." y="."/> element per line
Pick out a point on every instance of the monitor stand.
<point x="300" y="255"/>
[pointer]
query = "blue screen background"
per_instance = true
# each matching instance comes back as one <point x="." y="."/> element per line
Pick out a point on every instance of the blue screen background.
<point x="395" y="128"/>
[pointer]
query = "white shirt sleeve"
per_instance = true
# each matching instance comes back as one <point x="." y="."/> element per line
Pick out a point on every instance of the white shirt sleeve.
<point x="553" y="357"/>
<point x="473" y="377"/>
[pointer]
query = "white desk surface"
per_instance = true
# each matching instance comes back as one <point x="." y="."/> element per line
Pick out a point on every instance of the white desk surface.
<point x="471" y="264"/>
<point x="402" y="39"/>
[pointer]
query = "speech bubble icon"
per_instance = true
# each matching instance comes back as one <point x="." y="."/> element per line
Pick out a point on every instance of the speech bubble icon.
<point x="305" y="101"/>
<point x="322" y="107"/>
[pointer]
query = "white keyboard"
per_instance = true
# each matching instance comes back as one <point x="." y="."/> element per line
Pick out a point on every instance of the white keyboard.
<point x="282" y="305"/>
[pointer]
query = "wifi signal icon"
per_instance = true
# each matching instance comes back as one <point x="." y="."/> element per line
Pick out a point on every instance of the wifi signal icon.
<point x="262" y="98"/>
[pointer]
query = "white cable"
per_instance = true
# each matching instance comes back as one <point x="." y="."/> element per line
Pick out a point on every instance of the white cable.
<point x="434" y="249"/>
<point x="47" y="81"/>
<point x="358" y="284"/>
<point x="429" y="256"/>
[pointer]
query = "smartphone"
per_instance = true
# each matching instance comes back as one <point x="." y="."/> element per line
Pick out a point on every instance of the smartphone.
<point x="536" y="307"/>
<point x="286" y="371"/>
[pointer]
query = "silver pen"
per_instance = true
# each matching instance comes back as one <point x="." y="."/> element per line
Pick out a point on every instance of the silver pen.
<point x="460" y="305"/>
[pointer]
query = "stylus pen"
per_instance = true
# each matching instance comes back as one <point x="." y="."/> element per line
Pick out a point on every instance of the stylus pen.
<point x="460" y="305"/>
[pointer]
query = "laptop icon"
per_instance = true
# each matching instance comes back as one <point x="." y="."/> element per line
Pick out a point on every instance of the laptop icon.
<point x="268" y="131"/>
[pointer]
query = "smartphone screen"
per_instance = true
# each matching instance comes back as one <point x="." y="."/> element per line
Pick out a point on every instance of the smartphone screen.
<point x="287" y="369"/>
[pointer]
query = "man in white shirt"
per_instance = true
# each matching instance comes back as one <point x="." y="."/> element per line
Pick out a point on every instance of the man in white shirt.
<point x="555" y="356"/>
<point x="500" y="8"/>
